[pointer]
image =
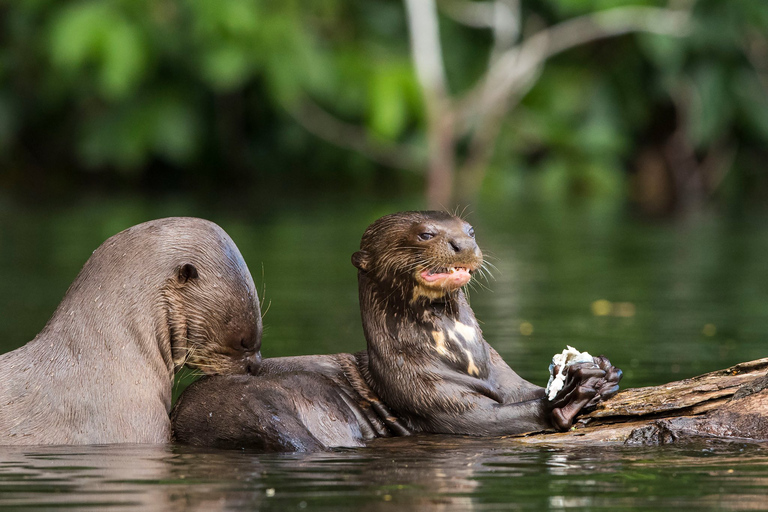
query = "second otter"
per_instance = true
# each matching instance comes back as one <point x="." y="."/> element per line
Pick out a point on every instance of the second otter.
<point x="150" y="299"/>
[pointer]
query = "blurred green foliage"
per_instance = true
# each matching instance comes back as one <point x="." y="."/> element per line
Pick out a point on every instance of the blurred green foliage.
<point x="163" y="92"/>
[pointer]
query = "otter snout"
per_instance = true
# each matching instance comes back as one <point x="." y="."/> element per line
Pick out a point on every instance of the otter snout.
<point x="253" y="363"/>
<point x="468" y="245"/>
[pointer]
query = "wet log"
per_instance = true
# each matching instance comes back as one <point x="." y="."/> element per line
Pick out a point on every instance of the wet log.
<point x="730" y="404"/>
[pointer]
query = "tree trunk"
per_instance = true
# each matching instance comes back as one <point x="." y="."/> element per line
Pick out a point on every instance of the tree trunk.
<point x="726" y="404"/>
<point x="442" y="160"/>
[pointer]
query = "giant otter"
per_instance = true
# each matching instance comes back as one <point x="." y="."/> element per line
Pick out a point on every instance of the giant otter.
<point x="427" y="359"/>
<point x="150" y="299"/>
<point x="427" y="367"/>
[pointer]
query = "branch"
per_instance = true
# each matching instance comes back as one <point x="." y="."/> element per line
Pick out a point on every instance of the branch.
<point x="427" y="57"/>
<point x="506" y="26"/>
<point x="324" y="125"/>
<point x="425" y="46"/>
<point x="614" y="22"/>
<point x="515" y="70"/>
<point x="501" y="16"/>
<point x="471" y="14"/>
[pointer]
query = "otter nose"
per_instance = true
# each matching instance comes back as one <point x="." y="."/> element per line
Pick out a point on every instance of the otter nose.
<point x="253" y="363"/>
<point x="463" y="244"/>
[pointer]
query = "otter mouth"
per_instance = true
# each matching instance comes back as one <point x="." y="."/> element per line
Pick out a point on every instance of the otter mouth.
<point x="447" y="277"/>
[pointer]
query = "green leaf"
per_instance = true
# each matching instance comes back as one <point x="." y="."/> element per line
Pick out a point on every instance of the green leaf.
<point x="602" y="180"/>
<point x="96" y="34"/>
<point x="226" y="67"/>
<point x="75" y="34"/>
<point x="124" y="59"/>
<point x="388" y="110"/>
<point x="711" y="109"/>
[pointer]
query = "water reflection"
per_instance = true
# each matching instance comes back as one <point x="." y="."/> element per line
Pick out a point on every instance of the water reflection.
<point x="90" y="476"/>
<point x="406" y="475"/>
<point x="433" y="473"/>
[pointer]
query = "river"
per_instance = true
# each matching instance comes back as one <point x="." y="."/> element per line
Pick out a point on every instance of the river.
<point x="663" y="300"/>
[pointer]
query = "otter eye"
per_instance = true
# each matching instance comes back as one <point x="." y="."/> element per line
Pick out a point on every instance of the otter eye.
<point x="244" y="343"/>
<point x="471" y="232"/>
<point x="426" y="236"/>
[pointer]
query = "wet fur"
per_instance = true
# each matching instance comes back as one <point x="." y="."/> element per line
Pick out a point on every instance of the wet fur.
<point x="405" y="381"/>
<point x="149" y="299"/>
<point x="427" y="359"/>
<point x="297" y="404"/>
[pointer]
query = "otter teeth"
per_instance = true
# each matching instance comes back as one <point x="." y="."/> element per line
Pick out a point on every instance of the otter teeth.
<point x="449" y="270"/>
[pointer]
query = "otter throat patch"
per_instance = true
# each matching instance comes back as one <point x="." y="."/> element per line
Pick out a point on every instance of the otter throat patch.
<point x="462" y="335"/>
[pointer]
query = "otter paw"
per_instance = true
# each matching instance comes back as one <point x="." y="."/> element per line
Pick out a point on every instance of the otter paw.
<point x="609" y="385"/>
<point x="583" y="381"/>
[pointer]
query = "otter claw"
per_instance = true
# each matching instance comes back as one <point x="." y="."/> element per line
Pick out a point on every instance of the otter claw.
<point x="586" y="385"/>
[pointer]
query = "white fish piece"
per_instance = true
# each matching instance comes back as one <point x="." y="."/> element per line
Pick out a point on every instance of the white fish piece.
<point x="567" y="357"/>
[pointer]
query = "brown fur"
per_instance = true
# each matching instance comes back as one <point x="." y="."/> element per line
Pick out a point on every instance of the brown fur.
<point x="149" y="299"/>
<point x="302" y="403"/>
<point x="426" y="369"/>
<point x="427" y="359"/>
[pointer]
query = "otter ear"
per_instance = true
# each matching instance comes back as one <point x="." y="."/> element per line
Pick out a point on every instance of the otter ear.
<point x="361" y="259"/>
<point x="187" y="272"/>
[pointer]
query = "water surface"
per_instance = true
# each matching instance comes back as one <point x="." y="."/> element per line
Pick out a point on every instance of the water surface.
<point x="423" y="474"/>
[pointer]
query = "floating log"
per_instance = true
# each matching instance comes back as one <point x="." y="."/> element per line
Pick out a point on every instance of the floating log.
<point x="726" y="404"/>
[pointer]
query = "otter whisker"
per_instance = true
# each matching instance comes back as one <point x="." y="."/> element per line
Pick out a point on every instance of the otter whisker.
<point x="264" y="294"/>
<point x="266" y="310"/>
<point x="485" y="271"/>
<point x="188" y="350"/>
<point x="194" y="372"/>
<point x="488" y="267"/>
<point x="208" y="366"/>
<point x="485" y="274"/>
<point x="463" y="215"/>
<point x="475" y="284"/>
<point x="186" y="373"/>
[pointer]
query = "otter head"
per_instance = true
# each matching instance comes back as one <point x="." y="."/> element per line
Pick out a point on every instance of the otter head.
<point x="429" y="254"/>
<point x="213" y="309"/>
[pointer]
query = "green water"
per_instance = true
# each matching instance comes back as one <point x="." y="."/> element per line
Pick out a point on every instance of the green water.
<point x="421" y="475"/>
<point x="663" y="301"/>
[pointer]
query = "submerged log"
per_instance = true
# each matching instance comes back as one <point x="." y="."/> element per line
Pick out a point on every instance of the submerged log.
<point x="725" y="404"/>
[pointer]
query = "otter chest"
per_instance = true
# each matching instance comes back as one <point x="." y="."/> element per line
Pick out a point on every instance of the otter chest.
<point x="461" y="345"/>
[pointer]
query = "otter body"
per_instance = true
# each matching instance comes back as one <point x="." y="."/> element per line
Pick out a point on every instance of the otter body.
<point x="427" y="367"/>
<point x="149" y="299"/>
<point x="294" y="404"/>
<point x="427" y="359"/>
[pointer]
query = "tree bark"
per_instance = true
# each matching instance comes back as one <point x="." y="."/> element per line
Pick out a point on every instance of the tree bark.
<point x="427" y="57"/>
<point x="730" y="404"/>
